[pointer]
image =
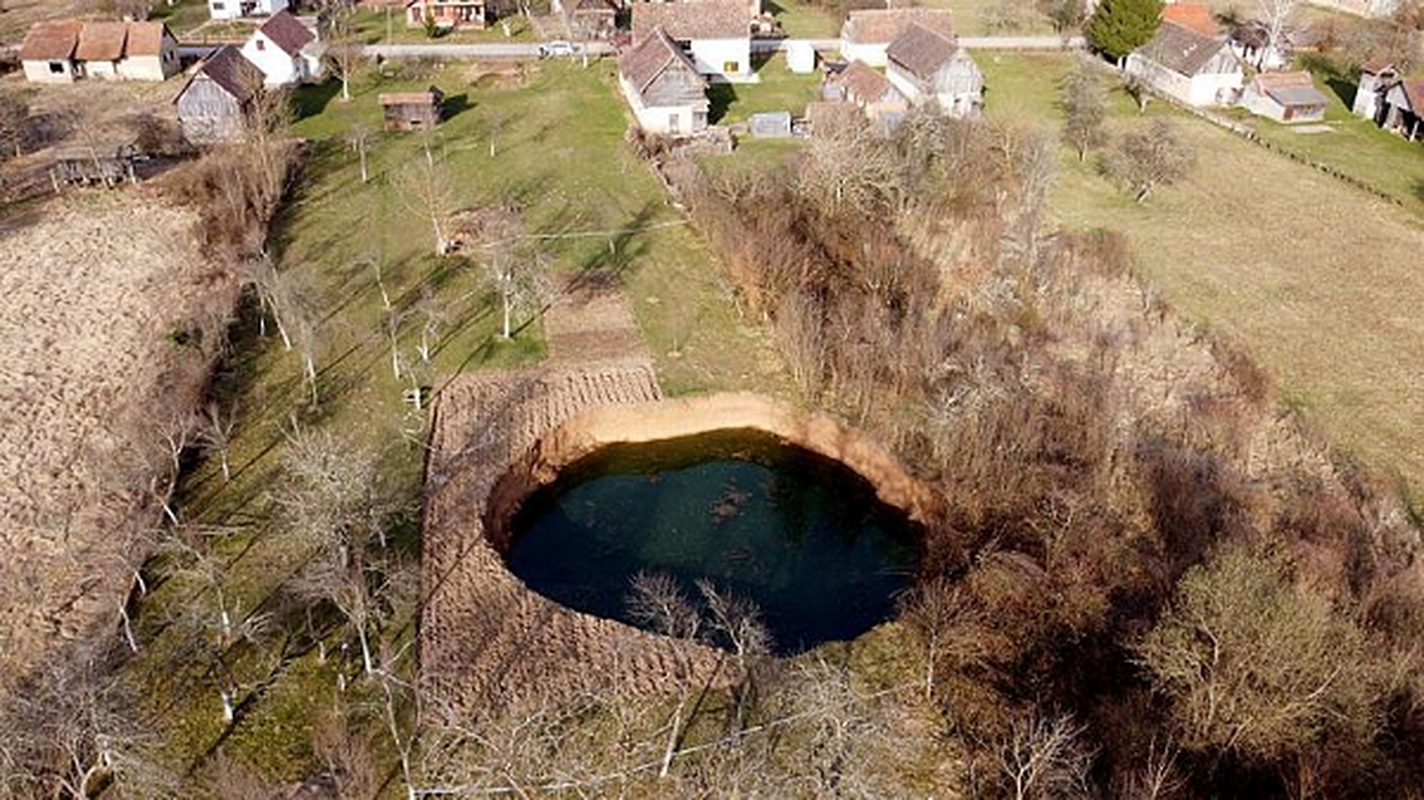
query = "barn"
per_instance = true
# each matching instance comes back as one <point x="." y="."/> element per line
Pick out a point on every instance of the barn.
<point x="212" y="107"/>
<point x="1285" y="97"/>
<point x="928" y="66"/>
<point x="411" y="111"/>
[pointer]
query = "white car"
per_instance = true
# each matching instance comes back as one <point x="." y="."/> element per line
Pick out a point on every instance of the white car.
<point x="557" y="49"/>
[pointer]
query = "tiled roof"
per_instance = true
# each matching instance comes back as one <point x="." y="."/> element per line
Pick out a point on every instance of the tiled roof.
<point x="1414" y="90"/>
<point x="863" y="84"/>
<point x="146" y="38"/>
<point x="1192" y="16"/>
<point x="921" y="51"/>
<point x="101" y="41"/>
<point x="229" y="69"/>
<point x="882" y="26"/>
<point x="1181" y="50"/>
<point x="287" y="32"/>
<point x="51" y="40"/>
<point x="427" y="97"/>
<point x="641" y="65"/>
<point x="693" y="19"/>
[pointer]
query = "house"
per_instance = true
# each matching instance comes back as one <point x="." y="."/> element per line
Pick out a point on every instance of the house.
<point x="237" y="9"/>
<point x="285" y="50"/>
<point x="868" y="90"/>
<point x="62" y="52"/>
<point x="1285" y="97"/>
<point x="448" y="14"/>
<point x="102" y="162"/>
<point x="589" y="19"/>
<point x="866" y="35"/>
<point x="1363" y="8"/>
<point x="213" y="105"/>
<point x="928" y="66"/>
<point x="664" y="88"/>
<point x="150" y="53"/>
<point x="1192" y="16"/>
<point x="1404" y="109"/>
<point x="411" y="111"/>
<point x="716" y="34"/>
<point x="1188" y="66"/>
<point x="47" y="54"/>
<point x="1376" y="78"/>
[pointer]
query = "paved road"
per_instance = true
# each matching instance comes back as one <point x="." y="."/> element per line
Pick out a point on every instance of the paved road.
<point x="524" y="50"/>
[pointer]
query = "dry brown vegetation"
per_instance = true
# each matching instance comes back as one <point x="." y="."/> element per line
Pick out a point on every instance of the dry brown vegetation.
<point x="1091" y="449"/>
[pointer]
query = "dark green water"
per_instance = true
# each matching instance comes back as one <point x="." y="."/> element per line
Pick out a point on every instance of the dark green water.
<point x="801" y="536"/>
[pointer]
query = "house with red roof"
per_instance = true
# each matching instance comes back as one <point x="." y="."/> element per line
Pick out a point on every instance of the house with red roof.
<point x="67" y="50"/>
<point x="663" y="87"/>
<point x="866" y="35"/>
<point x="715" y="34"/>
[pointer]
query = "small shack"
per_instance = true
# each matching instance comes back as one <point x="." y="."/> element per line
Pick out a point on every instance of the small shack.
<point x="107" y="163"/>
<point x="800" y="57"/>
<point x="1285" y="97"/>
<point x="213" y="106"/>
<point x="771" y="125"/>
<point x="412" y="111"/>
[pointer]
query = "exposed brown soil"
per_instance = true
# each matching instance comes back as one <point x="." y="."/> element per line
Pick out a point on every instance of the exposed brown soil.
<point x="91" y="291"/>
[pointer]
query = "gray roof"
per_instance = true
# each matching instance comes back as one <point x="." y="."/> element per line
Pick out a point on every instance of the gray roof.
<point x="1182" y="50"/>
<point x="234" y="73"/>
<point x="1298" y="96"/>
<point x="921" y="50"/>
<point x="656" y="53"/>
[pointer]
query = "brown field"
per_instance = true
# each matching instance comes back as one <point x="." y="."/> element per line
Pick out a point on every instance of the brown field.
<point x="93" y="285"/>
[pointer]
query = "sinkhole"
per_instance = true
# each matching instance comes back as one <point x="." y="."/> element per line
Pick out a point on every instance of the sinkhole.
<point x="801" y="536"/>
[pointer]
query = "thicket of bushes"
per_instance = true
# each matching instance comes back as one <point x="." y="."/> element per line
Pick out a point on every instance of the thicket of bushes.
<point x="1116" y="547"/>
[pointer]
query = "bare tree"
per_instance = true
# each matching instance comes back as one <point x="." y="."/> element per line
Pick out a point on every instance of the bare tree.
<point x="1144" y="160"/>
<point x="215" y="432"/>
<point x="738" y="622"/>
<point x="425" y="190"/>
<point x="510" y="260"/>
<point x="852" y="168"/>
<point x="343" y="46"/>
<point x="1278" y="19"/>
<point x="657" y="602"/>
<point x="1043" y="757"/>
<point x="360" y="139"/>
<point x="1085" y="102"/>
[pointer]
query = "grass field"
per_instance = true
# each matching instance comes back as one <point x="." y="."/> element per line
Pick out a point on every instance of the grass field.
<point x="1320" y="281"/>
<point x="377" y="25"/>
<point x="559" y="155"/>
<point x="779" y="89"/>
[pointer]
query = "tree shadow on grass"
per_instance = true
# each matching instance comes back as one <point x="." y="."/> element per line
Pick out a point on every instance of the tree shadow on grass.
<point x="455" y="105"/>
<point x="311" y="101"/>
<point x="720" y="97"/>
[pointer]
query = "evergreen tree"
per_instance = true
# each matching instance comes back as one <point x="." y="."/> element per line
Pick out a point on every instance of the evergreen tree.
<point x="1120" y="26"/>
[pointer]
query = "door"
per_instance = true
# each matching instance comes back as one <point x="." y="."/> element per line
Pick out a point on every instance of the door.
<point x="674" y="123"/>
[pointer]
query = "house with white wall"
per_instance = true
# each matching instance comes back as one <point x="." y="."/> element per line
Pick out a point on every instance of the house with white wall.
<point x="68" y="50"/>
<point x="929" y="67"/>
<point x="715" y="34"/>
<point x="866" y="35"/>
<point x="1188" y="66"/>
<point x="667" y="94"/>
<point x="238" y="9"/>
<point x="286" y="51"/>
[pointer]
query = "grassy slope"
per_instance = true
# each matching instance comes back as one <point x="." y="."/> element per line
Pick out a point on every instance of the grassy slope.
<point x="560" y="154"/>
<point x="1320" y="281"/>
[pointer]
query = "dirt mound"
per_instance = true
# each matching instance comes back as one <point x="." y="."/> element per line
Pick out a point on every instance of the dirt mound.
<point x="94" y="293"/>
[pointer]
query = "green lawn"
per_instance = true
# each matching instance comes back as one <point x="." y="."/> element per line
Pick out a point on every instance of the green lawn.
<point x="559" y="155"/>
<point x="779" y="89"/>
<point x="1320" y="281"/>
<point x="1355" y="146"/>
<point x="978" y="18"/>
<point x="801" y="20"/>
<point x="183" y="15"/>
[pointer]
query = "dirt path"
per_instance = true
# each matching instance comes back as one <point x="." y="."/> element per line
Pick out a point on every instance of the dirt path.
<point x="592" y="327"/>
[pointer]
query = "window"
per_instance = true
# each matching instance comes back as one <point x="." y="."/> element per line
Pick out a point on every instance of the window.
<point x="261" y="45"/>
<point x="674" y="123"/>
<point x="56" y="67"/>
<point x="729" y="67"/>
<point x="218" y="7"/>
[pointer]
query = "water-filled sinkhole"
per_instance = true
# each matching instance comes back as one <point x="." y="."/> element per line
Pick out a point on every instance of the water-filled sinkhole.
<point x="800" y="535"/>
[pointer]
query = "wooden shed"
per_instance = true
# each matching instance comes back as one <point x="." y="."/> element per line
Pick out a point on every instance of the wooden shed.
<point x="213" y="106"/>
<point x="412" y="111"/>
<point x="107" y="163"/>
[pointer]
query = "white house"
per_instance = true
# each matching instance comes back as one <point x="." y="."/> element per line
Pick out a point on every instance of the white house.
<point x="1404" y="109"/>
<point x="65" y="51"/>
<point x="663" y="87"/>
<point x="1285" y="97"/>
<point x="930" y="67"/>
<point x="237" y="9"/>
<point x="716" y="34"/>
<point x="285" y="50"/>
<point x="1376" y="77"/>
<point x="866" y="35"/>
<point x="1188" y="66"/>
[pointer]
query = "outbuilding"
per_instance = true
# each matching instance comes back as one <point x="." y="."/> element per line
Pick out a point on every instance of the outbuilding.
<point x="928" y="66"/>
<point x="412" y="111"/>
<point x="1376" y="78"/>
<point x="47" y="54"/>
<point x="663" y="87"/>
<point x="589" y="19"/>
<point x="1285" y="97"/>
<point x="447" y="14"/>
<point x="869" y="91"/>
<point x="106" y="163"/>
<point x="1404" y="109"/>
<point x="213" y="105"/>
<point x="65" y="51"/>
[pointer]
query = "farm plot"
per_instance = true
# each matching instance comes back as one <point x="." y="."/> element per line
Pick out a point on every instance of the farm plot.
<point x="92" y="292"/>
